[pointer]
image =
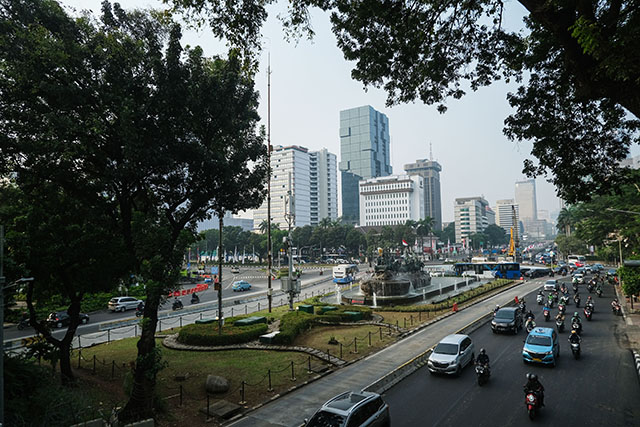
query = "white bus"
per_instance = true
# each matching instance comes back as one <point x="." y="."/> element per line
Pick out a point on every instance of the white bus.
<point x="344" y="273"/>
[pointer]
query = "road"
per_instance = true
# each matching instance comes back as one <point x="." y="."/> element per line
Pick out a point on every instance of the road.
<point x="208" y="298"/>
<point x="601" y="388"/>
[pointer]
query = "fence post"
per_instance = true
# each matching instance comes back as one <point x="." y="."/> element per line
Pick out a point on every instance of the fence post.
<point x="79" y="344"/>
<point x="397" y="327"/>
<point x="113" y="369"/>
<point x="369" y="338"/>
<point x="135" y="331"/>
<point x="245" y="308"/>
<point x="181" y="321"/>
<point x="79" y="357"/>
<point x="108" y="335"/>
<point x="160" y="329"/>
<point x="180" y="394"/>
<point x="355" y="345"/>
<point x="258" y="305"/>
<point x="242" y="401"/>
<point x="309" y="370"/>
<point x="94" y="364"/>
<point x="420" y="316"/>
<point x="269" y="375"/>
<point x="411" y="319"/>
<point x="231" y="311"/>
<point x="380" y="329"/>
<point x="208" y="416"/>
<point x="340" y="350"/>
<point x="293" y="375"/>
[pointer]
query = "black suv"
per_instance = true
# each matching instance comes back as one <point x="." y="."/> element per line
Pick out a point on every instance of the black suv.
<point x="507" y="319"/>
<point x="59" y="319"/>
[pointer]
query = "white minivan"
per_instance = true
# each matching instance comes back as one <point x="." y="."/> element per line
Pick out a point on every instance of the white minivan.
<point x="452" y="353"/>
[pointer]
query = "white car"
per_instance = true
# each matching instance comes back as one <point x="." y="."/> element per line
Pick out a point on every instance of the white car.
<point x="235" y="270"/>
<point x="551" y="285"/>
<point x="123" y="303"/>
<point x="579" y="277"/>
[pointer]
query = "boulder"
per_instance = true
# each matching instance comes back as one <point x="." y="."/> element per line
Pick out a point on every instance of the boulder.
<point x="216" y="384"/>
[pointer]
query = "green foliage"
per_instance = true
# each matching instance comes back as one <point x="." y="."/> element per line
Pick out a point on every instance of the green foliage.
<point x="630" y="277"/>
<point x="568" y="245"/>
<point x="338" y="315"/>
<point x="207" y="334"/>
<point x="293" y="324"/>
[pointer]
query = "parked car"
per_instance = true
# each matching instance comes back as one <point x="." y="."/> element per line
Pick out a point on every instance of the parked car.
<point x="241" y="285"/>
<point x="541" y="346"/>
<point x="551" y="285"/>
<point x="59" y="319"/>
<point x="352" y="408"/>
<point x="123" y="303"/>
<point x="235" y="270"/>
<point x="452" y="353"/>
<point x="507" y="319"/>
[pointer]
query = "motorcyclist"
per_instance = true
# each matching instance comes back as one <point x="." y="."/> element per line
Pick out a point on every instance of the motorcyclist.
<point x="589" y="302"/>
<point x="483" y="358"/>
<point x="560" y="316"/>
<point x="576" y="318"/>
<point x="534" y="386"/>
<point x="529" y="315"/>
<point x="495" y="310"/>
<point x="615" y="305"/>
<point x="574" y="338"/>
<point x="550" y="300"/>
<point x="195" y="298"/>
<point x="140" y="307"/>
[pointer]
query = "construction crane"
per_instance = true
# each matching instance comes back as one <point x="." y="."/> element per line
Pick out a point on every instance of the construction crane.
<point x="514" y="243"/>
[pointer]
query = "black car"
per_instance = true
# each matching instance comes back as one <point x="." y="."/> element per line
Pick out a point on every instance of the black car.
<point x="59" y="319"/>
<point x="537" y="272"/>
<point x="507" y="319"/>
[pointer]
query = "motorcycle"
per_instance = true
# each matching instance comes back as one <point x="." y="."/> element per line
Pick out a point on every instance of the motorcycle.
<point x="561" y="308"/>
<point x="616" y="309"/>
<point x="576" y="326"/>
<point x="546" y="315"/>
<point x="575" y="287"/>
<point x="590" y="288"/>
<point x="576" y="299"/>
<point x="195" y="299"/>
<point x="599" y="292"/>
<point x="529" y="325"/>
<point x="483" y="373"/>
<point x="560" y="325"/>
<point x="575" y="349"/>
<point x="588" y="313"/>
<point x="539" y="299"/>
<point x="24" y="323"/>
<point x="139" y="312"/>
<point x="533" y="403"/>
<point x="177" y="305"/>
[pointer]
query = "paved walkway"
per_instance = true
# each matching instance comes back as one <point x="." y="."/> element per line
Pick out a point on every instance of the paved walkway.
<point x="293" y="408"/>
<point x="632" y="321"/>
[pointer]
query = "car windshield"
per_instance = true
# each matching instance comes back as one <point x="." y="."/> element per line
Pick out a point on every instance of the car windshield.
<point x="444" y="348"/>
<point x="113" y="300"/>
<point x="326" y="419"/>
<point x="506" y="315"/>
<point x="539" y="340"/>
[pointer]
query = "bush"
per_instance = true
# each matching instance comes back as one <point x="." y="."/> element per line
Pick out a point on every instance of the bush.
<point x="293" y="324"/>
<point x="207" y="334"/>
<point x="338" y="315"/>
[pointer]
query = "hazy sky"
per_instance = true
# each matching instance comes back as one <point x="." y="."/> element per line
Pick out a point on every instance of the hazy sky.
<point x="311" y="83"/>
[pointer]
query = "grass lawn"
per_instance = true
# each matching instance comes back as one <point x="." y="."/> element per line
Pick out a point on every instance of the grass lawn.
<point x="251" y="366"/>
<point x="319" y="338"/>
<point x="411" y="319"/>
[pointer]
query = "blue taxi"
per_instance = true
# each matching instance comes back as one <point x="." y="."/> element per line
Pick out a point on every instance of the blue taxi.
<point x="541" y="346"/>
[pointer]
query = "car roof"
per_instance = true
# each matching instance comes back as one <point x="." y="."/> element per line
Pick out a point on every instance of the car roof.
<point x="547" y="332"/>
<point x="551" y="281"/>
<point x="344" y="402"/>
<point x="453" y="339"/>
<point x="507" y="309"/>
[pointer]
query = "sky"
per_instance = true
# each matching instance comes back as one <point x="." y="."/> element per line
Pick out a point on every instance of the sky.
<point x="311" y="83"/>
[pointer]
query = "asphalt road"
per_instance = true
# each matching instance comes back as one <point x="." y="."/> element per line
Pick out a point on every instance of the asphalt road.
<point x="253" y="275"/>
<point x="601" y="388"/>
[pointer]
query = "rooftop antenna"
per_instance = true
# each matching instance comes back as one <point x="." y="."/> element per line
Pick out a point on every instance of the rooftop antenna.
<point x="431" y="151"/>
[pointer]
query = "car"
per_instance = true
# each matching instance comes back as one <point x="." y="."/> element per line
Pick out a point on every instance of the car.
<point x="612" y="272"/>
<point x="507" y="319"/>
<point x="235" y="270"/>
<point x="579" y="277"/>
<point x="537" y="272"/>
<point x="541" y="346"/>
<point x="352" y="408"/>
<point x="551" y="285"/>
<point x="123" y="303"/>
<point x="579" y="270"/>
<point x="241" y="285"/>
<point x="58" y="319"/>
<point x="451" y="355"/>
<point x="597" y="267"/>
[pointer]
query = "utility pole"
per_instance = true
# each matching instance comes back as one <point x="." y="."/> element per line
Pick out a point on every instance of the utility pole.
<point x="269" y="255"/>
<point x="2" y="282"/>
<point x="290" y="220"/>
<point x="219" y="284"/>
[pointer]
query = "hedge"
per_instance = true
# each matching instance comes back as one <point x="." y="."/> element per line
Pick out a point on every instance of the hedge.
<point x="338" y="315"/>
<point x="207" y="334"/>
<point x="293" y="324"/>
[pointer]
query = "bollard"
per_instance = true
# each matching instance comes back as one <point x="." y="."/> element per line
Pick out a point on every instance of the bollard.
<point x="113" y="369"/>
<point x="181" y="321"/>
<point x="79" y="344"/>
<point x="420" y="317"/>
<point x="180" y="394"/>
<point x="200" y="316"/>
<point x="208" y="416"/>
<point x="269" y="375"/>
<point x="293" y="375"/>
<point x="79" y="357"/>
<point x="329" y="354"/>
<point x="380" y="329"/>
<point x="258" y="305"/>
<point x="369" y="338"/>
<point x="160" y="327"/>
<point x="231" y="311"/>
<point x="135" y="331"/>
<point x="242" y="401"/>
<point x="411" y="319"/>
<point x="245" y="308"/>
<point x="397" y="327"/>
<point x="108" y="335"/>
<point x="340" y="350"/>
<point x="355" y="345"/>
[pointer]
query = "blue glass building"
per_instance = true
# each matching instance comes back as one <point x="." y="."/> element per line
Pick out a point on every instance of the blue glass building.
<point x="364" y="154"/>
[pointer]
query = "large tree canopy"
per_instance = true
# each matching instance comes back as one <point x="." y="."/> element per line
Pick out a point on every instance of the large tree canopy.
<point x="578" y="60"/>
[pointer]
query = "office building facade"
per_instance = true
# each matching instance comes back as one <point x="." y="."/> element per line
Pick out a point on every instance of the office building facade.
<point x="470" y="214"/>
<point x="430" y="171"/>
<point x="504" y="214"/>
<point x="324" y="186"/>
<point x="391" y="200"/>
<point x="364" y="154"/>
<point x="526" y="199"/>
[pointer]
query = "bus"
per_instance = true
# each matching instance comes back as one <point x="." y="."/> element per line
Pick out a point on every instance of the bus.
<point x="344" y="273"/>
<point x="499" y="270"/>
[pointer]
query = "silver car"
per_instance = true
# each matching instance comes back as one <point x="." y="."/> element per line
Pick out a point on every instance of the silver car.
<point x="123" y="303"/>
<point x="451" y="354"/>
<point x="352" y="409"/>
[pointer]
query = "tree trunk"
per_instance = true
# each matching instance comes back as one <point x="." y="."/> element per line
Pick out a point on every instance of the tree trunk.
<point x="140" y="404"/>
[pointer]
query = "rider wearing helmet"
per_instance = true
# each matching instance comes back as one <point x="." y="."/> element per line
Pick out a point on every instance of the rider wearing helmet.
<point x="574" y="338"/>
<point x="534" y="386"/>
<point x="495" y="310"/>
<point x="575" y="318"/>
<point x="483" y="358"/>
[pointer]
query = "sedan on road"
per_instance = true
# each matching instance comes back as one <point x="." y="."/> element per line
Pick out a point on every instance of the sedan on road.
<point x="241" y="285"/>
<point x="59" y="319"/>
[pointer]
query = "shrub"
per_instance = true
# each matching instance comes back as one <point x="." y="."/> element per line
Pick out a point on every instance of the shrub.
<point x="208" y="334"/>
<point x="338" y="315"/>
<point x="293" y="324"/>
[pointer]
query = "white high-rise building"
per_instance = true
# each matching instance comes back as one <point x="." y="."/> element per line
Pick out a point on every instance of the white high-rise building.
<point x="526" y="199"/>
<point x="324" y="185"/>
<point x="470" y="215"/>
<point x="504" y="214"/>
<point x="430" y="171"/>
<point x="391" y="200"/>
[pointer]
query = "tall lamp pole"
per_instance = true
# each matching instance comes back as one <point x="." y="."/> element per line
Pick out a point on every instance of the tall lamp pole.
<point x="269" y="254"/>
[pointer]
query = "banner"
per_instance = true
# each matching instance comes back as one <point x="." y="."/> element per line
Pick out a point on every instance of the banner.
<point x="199" y="288"/>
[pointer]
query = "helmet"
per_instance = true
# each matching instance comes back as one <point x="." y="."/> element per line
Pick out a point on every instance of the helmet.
<point x="573" y="331"/>
<point x="533" y="377"/>
<point x="497" y="305"/>
<point x="615" y="299"/>
<point x="528" y="375"/>
<point x="483" y="351"/>
<point x="575" y="314"/>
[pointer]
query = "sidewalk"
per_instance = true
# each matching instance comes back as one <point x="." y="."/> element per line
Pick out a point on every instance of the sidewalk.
<point x="291" y="409"/>
<point x="632" y="323"/>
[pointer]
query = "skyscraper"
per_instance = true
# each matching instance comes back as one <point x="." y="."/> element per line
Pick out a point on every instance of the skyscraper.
<point x="324" y="186"/>
<point x="470" y="215"/>
<point x="504" y="214"/>
<point x="364" y="154"/>
<point x="430" y="171"/>
<point x="526" y="199"/>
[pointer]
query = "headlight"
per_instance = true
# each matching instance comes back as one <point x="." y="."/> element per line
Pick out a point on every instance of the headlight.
<point x="493" y="323"/>
<point x="548" y="353"/>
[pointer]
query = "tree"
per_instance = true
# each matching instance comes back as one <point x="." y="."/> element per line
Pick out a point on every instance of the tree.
<point x="579" y="61"/>
<point x="630" y="278"/>
<point x="568" y="245"/>
<point x="448" y="234"/>
<point x="496" y="235"/>
<point x="119" y="109"/>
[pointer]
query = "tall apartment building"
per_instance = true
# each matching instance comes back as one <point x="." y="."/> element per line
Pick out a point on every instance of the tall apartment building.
<point x="324" y="185"/>
<point x="364" y="154"/>
<point x="526" y="199"/>
<point x="504" y="214"/>
<point x="470" y="215"/>
<point x="391" y="200"/>
<point x="430" y="171"/>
